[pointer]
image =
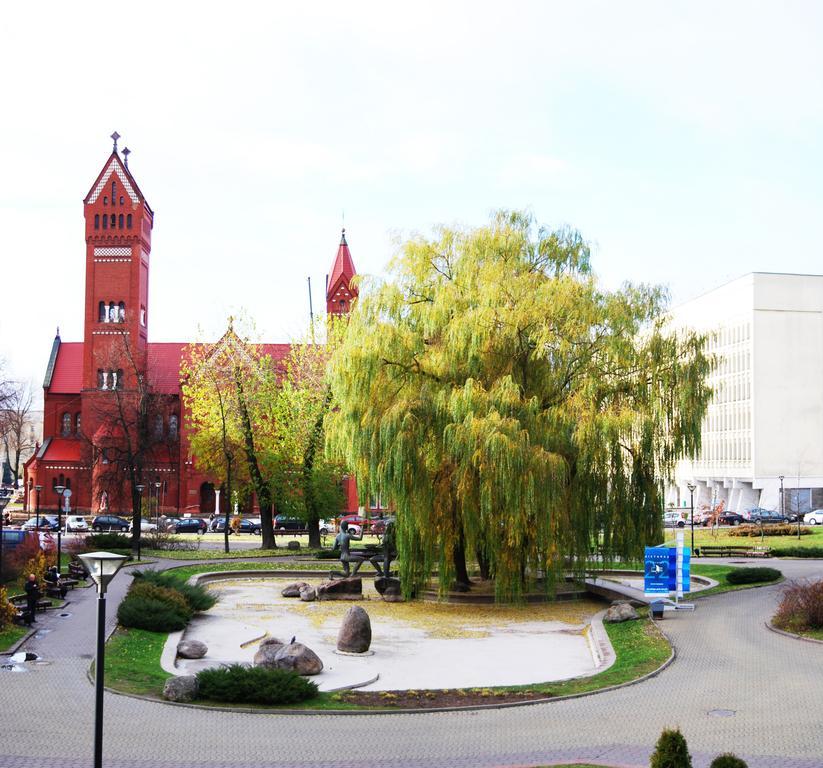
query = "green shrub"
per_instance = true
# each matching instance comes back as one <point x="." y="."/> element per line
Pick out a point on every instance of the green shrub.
<point x="253" y="685"/>
<point x="798" y="552"/>
<point x="198" y="597"/>
<point x="728" y="760"/>
<point x="801" y="607"/>
<point x="107" y="541"/>
<point x="174" y="599"/>
<point x="752" y="575"/>
<point x="671" y="751"/>
<point x="778" y="529"/>
<point x="151" y="614"/>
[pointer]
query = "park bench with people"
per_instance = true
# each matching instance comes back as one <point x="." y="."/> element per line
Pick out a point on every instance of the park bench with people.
<point x="731" y="550"/>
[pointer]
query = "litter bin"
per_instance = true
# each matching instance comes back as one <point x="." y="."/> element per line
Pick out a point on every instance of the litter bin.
<point x="657" y="608"/>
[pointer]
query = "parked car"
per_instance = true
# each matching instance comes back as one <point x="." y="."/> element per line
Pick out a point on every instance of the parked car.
<point x="110" y="523"/>
<point x="187" y="525"/>
<point x="13" y="538"/>
<point x="76" y="523"/>
<point x="794" y="517"/>
<point x="326" y="527"/>
<point x="672" y="518"/>
<point x="764" y="516"/>
<point x="288" y="524"/>
<point x="145" y="526"/>
<point x="815" y="517"/>
<point x="730" y="518"/>
<point x="47" y="523"/>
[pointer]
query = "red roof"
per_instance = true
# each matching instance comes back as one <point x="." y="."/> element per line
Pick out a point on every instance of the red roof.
<point x="343" y="267"/>
<point x="164" y="366"/>
<point x="67" y="378"/>
<point x="62" y="449"/>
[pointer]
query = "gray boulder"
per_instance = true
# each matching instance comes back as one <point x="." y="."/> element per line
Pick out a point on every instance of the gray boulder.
<point x="389" y="588"/>
<point x="299" y="658"/>
<point x="192" y="649"/>
<point x="272" y="641"/>
<point x="308" y="594"/>
<point x="266" y="655"/>
<point x="341" y="589"/>
<point x="293" y="544"/>
<point x="355" y="631"/>
<point x="293" y="590"/>
<point x="620" y="611"/>
<point x="182" y="688"/>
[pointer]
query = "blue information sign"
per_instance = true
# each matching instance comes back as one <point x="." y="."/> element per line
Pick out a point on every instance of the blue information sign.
<point x="660" y="572"/>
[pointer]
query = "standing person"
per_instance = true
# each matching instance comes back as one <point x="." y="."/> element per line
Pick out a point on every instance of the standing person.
<point x="32" y="596"/>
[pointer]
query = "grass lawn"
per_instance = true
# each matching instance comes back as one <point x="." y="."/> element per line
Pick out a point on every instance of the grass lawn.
<point x="219" y="554"/>
<point x="721" y="537"/>
<point x="133" y="659"/>
<point x="10" y="635"/>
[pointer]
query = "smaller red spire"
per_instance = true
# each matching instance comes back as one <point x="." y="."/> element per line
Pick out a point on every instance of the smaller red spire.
<point x="339" y="290"/>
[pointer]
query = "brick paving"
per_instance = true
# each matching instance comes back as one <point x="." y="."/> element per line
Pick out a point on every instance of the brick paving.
<point x="726" y="660"/>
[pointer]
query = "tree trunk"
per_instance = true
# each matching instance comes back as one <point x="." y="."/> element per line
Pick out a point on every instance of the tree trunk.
<point x="261" y="487"/>
<point x="484" y="564"/>
<point x="312" y="513"/>
<point x="461" y="573"/>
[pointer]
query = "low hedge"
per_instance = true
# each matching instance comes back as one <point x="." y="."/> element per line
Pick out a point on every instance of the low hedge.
<point x="107" y="541"/>
<point x="798" y="552"/>
<point x="237" y="684"/>
<point x="749" y="530"/>
<point x="145" y="589"/>
<point x="752" y="575"/>
<point x="197" y="597"/>
<point x="151" y="614"/>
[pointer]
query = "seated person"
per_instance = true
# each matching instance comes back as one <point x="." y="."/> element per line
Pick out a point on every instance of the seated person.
<point x="52" y="578"/>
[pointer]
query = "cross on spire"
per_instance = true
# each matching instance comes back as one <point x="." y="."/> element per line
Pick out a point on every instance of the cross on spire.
<point x="114" y="137"/>
<point x="126" y="153"/>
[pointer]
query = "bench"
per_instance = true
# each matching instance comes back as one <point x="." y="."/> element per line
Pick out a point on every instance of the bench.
<point x="19" y="601"/>
<point x="731" y="551"/>
<point x="77" y="571"/>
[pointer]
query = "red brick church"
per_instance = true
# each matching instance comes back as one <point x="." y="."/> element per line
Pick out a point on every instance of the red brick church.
<point x="84" y="378"/>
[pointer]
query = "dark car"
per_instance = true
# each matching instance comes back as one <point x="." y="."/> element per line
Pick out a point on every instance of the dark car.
<point x="245" y="525"/>
<point x="47" y="523"/>
<point x="110" y="523"/>
<point x="730" y="518"/>
<point x="188" y="525"/>
<point x="759" y="515"/>
<point x="288" y="524"/>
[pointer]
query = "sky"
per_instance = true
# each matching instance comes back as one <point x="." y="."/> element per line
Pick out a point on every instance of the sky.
<point x="682" y="139"/>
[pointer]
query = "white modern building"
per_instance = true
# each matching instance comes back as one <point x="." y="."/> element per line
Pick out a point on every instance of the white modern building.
<point x="766" y="417"/>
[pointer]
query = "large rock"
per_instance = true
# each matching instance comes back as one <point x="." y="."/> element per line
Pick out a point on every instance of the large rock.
<point x="298" y="657"/>
<point x="272" y="641"/>
<point x="355" y="631"/>
<point x="266" y="656"/>
<point x="192" y="649"/>
<point x="293" y="544"/>
<point x="293" y="590"/>
<point x="182" y="688"/>
<point x="308" y="594"/>
<point x="341" y="589"/>
<point x="387" y="585"/>
<point x="620" y="611"/>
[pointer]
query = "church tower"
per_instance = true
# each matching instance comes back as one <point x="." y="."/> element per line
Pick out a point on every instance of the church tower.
<point x="339" y="291"/>
<point x="118" y="230"/>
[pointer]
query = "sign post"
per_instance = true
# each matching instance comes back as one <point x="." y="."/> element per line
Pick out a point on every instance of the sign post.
<point x="666" y="571"/>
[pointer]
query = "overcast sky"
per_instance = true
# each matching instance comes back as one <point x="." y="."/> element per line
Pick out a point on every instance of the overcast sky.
<point x="682" y="140"/>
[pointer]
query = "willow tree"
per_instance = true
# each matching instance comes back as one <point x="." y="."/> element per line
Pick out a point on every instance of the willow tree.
<point x="514" y="410"/>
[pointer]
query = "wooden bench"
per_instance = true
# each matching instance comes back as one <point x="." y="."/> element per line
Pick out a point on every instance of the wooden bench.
<point x="19" y="601"/>
<point x="731" y="551"/>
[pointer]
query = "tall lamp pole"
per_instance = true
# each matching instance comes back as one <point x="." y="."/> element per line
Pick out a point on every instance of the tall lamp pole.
<point x="37" y="489"/>
<point x="102" y="567"/>
<point x="157" y="485"/>
<point x="59" y="489"/>
<point x="139" y="530"/>
<point x="691" y="487"/>
<point x="3" y="502"/>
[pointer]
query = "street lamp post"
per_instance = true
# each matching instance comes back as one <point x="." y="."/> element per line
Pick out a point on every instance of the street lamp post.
<point x="138" y="530"/>
<point x="3" y="503"/>
<point x="691" y="487"/>
<point x="59" y="489"/>
<point x="37" y="489"/>
<point x="103" y="567"/>
<point x="157" y="485"/>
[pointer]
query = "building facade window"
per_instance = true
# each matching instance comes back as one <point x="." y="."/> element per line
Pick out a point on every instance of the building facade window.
<point x="128" y="221"/>
<point x="66" y="425"/>
<point x="77" y="423"/>
<point x="173" y="425"/>
<point x="97" y="221"/>
<point x="158" y="426"/>
<point x="120" y="221"/>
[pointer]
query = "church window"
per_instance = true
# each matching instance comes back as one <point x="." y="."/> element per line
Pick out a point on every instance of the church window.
<point x="119" y="375"/>
<point x="77" y="423"/>
<point x="121" y="199"/>
<point x="113" y="218"/>
<point x="120" y="221"/>
<point x="101" y="379"/>
<point x="102" y="315"/>
<point x="66" y="429"/>
<point x="173" y="425"/>
<point x="97" y="221"/>
<point x="143" y="316"/>
<point x="68" y="483"/>
<point x="121" y="312"/>
<point x="105" y="200"/>
<point x="128" y="221"/>
<point x="104" y="457"/>
<point x="112" y="313"/>
<point x="105" y="221"/>
<point x="62" y="480"/>
<point x="158" y="426"/>
<point x="113" y="192"/>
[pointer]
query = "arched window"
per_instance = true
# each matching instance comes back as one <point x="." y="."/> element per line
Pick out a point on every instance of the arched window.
<point x="113" y="192"/>
<point x="158" y="426"/>
<point x="121" y="311"/>
<point x="66" y="428"/>
<point x="105" y="200"/>
<point x="101" y="379"/>
<point x="128" y="221"/>
<point x="121" y="199"/>
<point x="111" y="382"/>
<point x="62" y="480"/>
<point x="112" y="313"/>
<point x="105" y="221"/>
<point x="173" y="425"/>
<point x="68" y="483"/>
<point x="113" y="217"/>
<point x="102" y="315"/>
<point x="97" y="221"/>
<point x="120" y="221"/>
<point x="77" y="422"/>
<point x="143" y="316"/>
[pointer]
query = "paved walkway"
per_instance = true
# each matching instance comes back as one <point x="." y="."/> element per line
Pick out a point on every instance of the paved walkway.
<point x="727" y="660"/>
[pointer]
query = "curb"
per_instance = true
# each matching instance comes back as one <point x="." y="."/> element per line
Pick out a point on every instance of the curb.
<point x="793" y="635"/>
<point x="11" y="651"/>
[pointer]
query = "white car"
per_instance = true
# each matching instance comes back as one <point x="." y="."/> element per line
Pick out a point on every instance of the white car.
<point x="814" y="518"/>
<point x="145" y="526"/>
<point x="76" y="523"/>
